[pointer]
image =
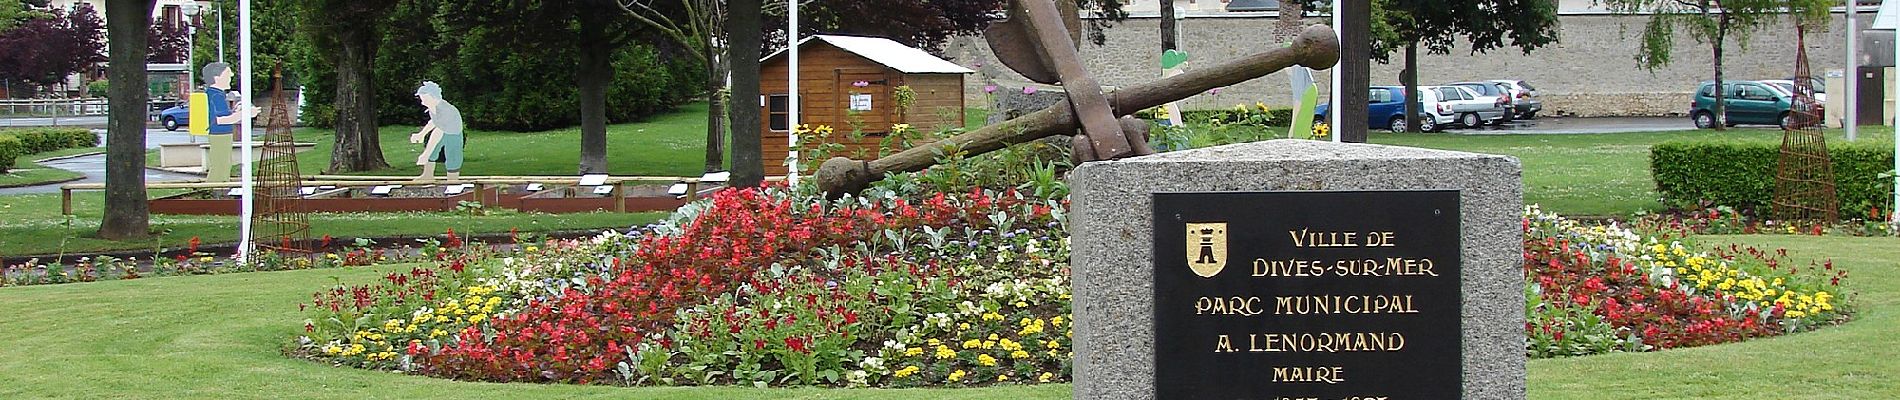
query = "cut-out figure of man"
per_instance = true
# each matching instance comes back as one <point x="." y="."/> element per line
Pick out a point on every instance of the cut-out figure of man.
<point x="224" y="120"/>
<point x="443" y="134"/>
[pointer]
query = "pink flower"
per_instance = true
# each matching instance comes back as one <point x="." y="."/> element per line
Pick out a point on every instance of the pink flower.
<point x="860" y="84"/>
<point x="989" y="89"/>
<point x="1213" y="91"/>
<point x="1029" y="90"/>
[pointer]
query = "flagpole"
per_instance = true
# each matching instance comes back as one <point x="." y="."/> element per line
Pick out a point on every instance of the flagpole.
<point x="1332" y="118"/>
<point x="245" y="180"/>
<point x="791" y="100"/>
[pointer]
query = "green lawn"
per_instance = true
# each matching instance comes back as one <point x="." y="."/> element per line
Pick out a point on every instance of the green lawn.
<point x="672" y="144"/>
<point x="221" y="336"/>
<point x="26" y="172"/>
<point x="1594" y="174"/>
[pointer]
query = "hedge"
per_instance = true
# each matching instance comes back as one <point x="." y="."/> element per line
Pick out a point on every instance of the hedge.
<point x="18" y="142"/>
<point x="1742" y="174"/>
<point x="10" y="150"/>
<point x="41" y="140"/>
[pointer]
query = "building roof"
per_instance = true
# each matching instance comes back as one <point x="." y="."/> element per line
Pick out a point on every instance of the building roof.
<point x="887" y="52"/>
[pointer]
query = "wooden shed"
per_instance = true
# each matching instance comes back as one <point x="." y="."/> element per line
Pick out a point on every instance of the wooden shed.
<point x="842" y="79"/>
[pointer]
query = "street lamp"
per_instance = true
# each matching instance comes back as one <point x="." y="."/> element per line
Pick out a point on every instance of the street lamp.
<point x="191" y="35"/>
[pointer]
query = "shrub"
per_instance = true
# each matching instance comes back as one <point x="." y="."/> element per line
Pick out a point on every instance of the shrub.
<point x="1742" y="174"/>
<point x="41" y="140"/>
<point x="10" y="150"/>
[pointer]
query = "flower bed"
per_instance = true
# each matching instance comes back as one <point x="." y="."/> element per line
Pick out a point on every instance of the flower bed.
<point x="756" y="287"/>
<point x="1597" y="289"/>
<point x="907" y="287"/>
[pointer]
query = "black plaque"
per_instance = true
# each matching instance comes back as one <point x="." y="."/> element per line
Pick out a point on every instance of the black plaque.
<point x="1307" y="295"/>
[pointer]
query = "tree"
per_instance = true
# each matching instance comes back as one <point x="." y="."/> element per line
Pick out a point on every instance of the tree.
<point x="1484" y="25"/>
<point x="746" y="32"/>
<point x="349" y="30"/>
<point x="1709" y="22"/>
<point x="169" y="43"/>
<point x="696" y="25"/>
<point x="590" y="27"/>
<point x="127" y="215"/>
<point x="46" y="48"/>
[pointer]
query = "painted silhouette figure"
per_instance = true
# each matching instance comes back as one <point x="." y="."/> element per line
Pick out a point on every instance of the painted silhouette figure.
<point x="223" y="120"/>
<point x="1207" y="247"/>
<point x="443" y="134"/>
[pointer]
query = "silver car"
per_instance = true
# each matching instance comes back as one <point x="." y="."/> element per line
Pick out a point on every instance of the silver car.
<point x="1464" y="106"/>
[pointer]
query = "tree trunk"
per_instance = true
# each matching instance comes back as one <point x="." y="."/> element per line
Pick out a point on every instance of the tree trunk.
<point x="716" y="111"/>
<point x="595" y="72"/>
<point x="744" y="32"/>
<point x="1355" y="70"/>
<point x="1167" y="25"/>
<point x="1412" y="96"/>
<point x="358" y="146"/>
<point x="127" y="215"/>
<point x="1721" y="96"/>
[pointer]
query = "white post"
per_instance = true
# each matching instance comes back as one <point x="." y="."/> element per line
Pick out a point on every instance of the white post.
<point x="221" y="31"/>
<point x="1852" y="74"/>
<point x="1332" y="118"/>
<point x="244" y="76"/>
<point x="1894" y="215"/>
<point x="791" y="100"/>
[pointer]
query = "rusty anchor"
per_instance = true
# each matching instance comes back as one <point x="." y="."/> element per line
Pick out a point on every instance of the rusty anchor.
<point x="1104" y="136"/>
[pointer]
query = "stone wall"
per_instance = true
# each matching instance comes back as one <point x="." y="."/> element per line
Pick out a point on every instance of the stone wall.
<point x="1592" y="71"/>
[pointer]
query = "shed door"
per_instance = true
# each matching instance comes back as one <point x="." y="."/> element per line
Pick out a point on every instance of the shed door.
<point x="857" y="85"/>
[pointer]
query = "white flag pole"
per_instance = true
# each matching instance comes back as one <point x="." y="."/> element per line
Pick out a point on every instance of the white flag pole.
<point x="1332" y="117"/>
<point x="245" y="180"/>
<point x="1851" y="74"/>
<point x="791" y="100"/>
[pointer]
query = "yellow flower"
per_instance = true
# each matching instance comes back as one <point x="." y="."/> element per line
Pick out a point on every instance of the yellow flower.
<point x="957" y="376"/>
<point x="972" y="343"/>
<point x="944" y="352"/>
<point x="992" y="317"/>
<point x="1000" y="378"/>
<point x="904" y="372"/>
<point x="1056" y="320"/>
<point x="1022" y="304"/>
<point x="434" y="333"/>
<point x="1046" y="376"/>
<point x="985" y="360"/>
<point x="900" y="127"/>
<point x="477" y="318"/>
<point x="963" y="326"/>
<point x="1052" y="344"/>
<point x="1019" y="354"/>
<point x="934" y="342"/>
<point x="914" y="351"/>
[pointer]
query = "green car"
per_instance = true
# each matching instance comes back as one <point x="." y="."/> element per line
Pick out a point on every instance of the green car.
<point x="1749" y="102"/>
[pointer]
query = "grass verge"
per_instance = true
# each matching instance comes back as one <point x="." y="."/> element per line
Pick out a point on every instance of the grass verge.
<point x="27" y="172"/>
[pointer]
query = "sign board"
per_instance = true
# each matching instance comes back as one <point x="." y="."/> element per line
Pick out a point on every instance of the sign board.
<point x="603" y="190"/>
<point x="860" y="102"/>
<point x="1327" y="295"/>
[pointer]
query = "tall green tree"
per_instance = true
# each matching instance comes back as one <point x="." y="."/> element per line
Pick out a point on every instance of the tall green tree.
<point x="348" y="31"/>
<point x="127" y="215"/>
<point x="594" y="29"/>
<point x="1712" y="23"/>
<point x="697" y="25"/>
<point x="1441" y="25"/>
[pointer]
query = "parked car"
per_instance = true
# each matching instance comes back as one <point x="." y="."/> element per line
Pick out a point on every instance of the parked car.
<point x="1492" y="92"/>
<point x="1460" y="106"/>
<point x="1787" y="85"/>
<point x="1523" y="98"/>
<point x="176" y="117"/>
<point x="1385" y="107"/>
<point x="1747" y="102"/>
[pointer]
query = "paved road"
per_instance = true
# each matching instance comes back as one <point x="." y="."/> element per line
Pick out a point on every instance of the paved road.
<point x="95" y="166"/>
<point x="1552" y="125"/>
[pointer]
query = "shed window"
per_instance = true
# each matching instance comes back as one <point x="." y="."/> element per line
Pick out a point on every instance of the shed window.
<point x="777" y="109"/>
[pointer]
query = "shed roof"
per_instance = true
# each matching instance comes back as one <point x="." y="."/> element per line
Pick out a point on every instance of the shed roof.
<point x="886" y="52"/>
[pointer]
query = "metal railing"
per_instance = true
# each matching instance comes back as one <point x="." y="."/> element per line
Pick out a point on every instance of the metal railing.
<point x="52" y="107"/>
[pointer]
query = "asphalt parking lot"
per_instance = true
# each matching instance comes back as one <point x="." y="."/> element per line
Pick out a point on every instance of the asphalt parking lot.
<point x="1575" y="125"/>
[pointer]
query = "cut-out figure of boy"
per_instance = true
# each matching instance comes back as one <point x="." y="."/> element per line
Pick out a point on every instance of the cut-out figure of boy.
<point x="443" y="134"/>
<point x="217" y="77"/>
